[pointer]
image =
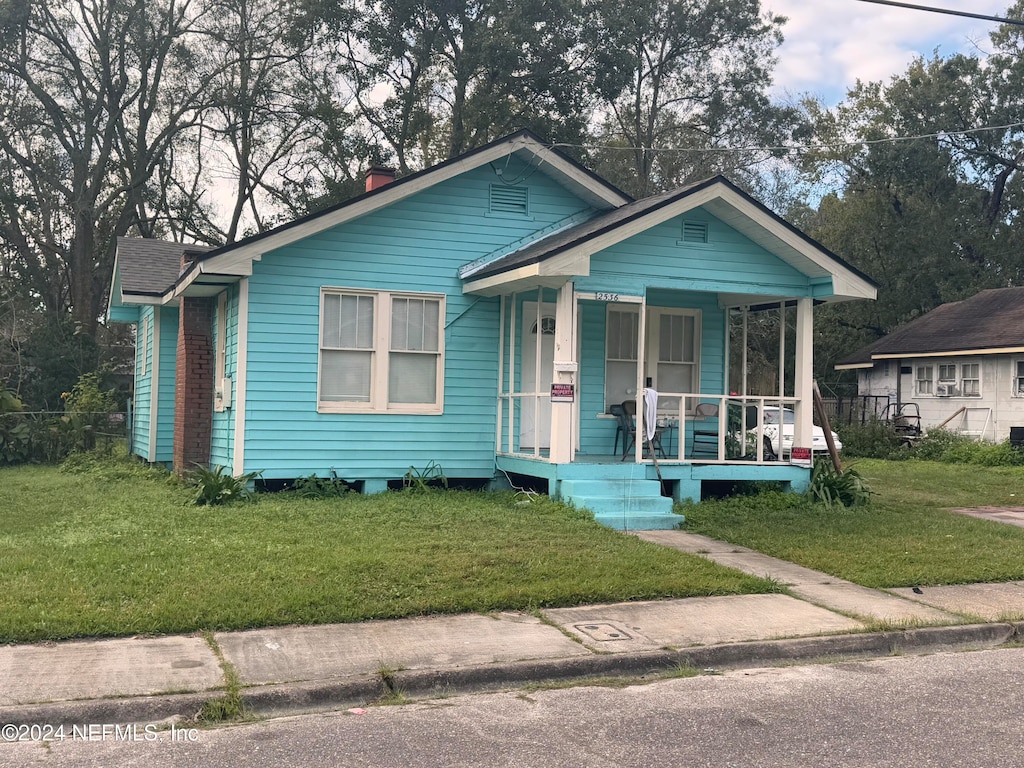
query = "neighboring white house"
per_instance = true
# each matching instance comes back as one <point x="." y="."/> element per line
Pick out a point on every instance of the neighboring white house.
<point x="962" y="364"/>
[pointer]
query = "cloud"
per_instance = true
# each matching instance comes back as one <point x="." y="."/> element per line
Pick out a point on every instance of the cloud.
<point x="831" y="43"/>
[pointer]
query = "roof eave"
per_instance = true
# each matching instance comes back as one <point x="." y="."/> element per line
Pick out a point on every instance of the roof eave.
<point x="236" y="258"/>
<point x="847" y="282"/>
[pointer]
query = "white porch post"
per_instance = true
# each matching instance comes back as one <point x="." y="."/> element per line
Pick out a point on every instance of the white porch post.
<point x="563" y="428"/>
<point x="804" y="377"/>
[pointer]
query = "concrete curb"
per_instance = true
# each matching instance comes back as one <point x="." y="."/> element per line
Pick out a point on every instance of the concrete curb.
<point x="294" y="698"/>
<point x="134" y="709"/>
<point x="274" y="700"/>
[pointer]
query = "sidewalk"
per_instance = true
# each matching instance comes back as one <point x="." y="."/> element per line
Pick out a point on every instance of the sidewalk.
<point x="290" y="669"/>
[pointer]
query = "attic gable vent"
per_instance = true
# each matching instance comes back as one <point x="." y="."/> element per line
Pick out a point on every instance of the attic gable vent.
<point x="510" y="200"/>
<point x="695" y="232"/>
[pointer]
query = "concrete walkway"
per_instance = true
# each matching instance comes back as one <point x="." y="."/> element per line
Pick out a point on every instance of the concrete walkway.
<point x="288" y="669"/>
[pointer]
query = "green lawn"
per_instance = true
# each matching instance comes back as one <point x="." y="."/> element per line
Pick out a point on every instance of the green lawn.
<point x="88" y="555"/>
<point x="906" y="536"/>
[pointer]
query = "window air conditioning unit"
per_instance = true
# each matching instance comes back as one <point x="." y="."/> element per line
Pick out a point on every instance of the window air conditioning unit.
<point x="945" y="390"/>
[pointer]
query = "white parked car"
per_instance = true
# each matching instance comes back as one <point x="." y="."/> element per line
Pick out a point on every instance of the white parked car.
<point x="771" y="431"/>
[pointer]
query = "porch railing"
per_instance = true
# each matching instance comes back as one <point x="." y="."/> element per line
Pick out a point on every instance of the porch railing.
<point x="511" y="408"/>
<point x="710" y="428"/>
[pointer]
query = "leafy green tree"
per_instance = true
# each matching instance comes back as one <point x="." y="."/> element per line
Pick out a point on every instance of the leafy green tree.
<point x="87" y="112"/>
<point x="433" y="80"/>
<point x="927" y="204"/>
<point x="689" y="75"/>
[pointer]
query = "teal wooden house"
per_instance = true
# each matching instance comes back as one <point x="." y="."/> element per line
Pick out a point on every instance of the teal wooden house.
<point x="490" y="314"/>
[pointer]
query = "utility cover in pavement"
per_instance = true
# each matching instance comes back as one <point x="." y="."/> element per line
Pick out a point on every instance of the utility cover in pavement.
<point x="602" y="631"/>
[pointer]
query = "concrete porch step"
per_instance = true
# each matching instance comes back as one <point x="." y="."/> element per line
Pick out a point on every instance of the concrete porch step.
<point x="623" y="504"/>
<point x="636" y="521"/>
<point x="620" y="487"/>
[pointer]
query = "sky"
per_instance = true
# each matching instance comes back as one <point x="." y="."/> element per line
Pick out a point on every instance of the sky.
<point x="831" y="43"/>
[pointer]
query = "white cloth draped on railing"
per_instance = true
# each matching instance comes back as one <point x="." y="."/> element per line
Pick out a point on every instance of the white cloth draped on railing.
<point x="650" y="412"/>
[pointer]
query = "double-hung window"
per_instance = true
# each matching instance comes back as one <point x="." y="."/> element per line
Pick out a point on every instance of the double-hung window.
<point x="620" y="355"/>
<point x="924" y="379"/>
<point x="381" y="351"/>
<point x="970" y="379"/>
<point x="1018" y="378"/>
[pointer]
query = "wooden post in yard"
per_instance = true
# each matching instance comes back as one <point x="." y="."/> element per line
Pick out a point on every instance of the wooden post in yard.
<point x="819" y="406"/>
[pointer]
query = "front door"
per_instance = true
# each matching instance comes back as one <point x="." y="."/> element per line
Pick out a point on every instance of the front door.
<point x="535" y="412"/>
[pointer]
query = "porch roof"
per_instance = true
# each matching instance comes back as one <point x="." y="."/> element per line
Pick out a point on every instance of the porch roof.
<point x="567" y="251"/>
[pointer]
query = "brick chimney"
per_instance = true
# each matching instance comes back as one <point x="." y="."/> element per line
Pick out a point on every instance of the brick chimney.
<point x="193" y="385"/>
<point x="378" y="176"/>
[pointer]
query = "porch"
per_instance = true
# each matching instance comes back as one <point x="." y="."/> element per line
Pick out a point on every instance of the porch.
<point x="647" y="308"/>
<point x="570" y="361"/>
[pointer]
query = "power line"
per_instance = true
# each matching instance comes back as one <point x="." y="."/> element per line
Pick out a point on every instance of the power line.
<point x="949" y="11"/>
<point x="792" y="148"/>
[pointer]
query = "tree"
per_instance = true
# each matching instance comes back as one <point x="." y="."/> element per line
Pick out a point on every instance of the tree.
<point x="433" y="80"/>
<point x="929" y="171"/>
<point x="88" y="111"/>
<point x="687" y="75"/>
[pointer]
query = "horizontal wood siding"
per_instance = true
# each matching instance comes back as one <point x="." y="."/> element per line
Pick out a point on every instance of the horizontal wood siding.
<point x="165" y="399"/>
<point x="143" y="384"/>
<point x="729" y="263"/>
<point x="415" y="245"/>
<point x="222" y="437"/>
<point x="597" y="436"/>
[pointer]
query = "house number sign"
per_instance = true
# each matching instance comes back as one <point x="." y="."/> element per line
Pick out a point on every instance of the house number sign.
<point x="607" y="296"/>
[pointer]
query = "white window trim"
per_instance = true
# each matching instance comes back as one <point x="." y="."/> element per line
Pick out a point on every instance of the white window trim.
<point x="144" y="365"/>
<point x="220" y="353"/>
<point x="931" y="380"/>
<point x="1018" y="391"/>
<point x="381" y="354"/>
<point x="963" y="389"/>
<point x="631" y="309"/>
<point x="651" y="354"/>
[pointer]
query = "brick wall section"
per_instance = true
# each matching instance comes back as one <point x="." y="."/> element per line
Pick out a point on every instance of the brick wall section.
<point x="193" y="389"/>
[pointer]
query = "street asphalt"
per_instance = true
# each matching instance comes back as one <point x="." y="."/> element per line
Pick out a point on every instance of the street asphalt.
<point x="295" y="669"/>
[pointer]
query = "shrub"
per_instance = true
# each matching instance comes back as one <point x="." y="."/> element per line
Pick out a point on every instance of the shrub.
<point x="950" y="447"/>
<point x="214" y="487"/>
<point x="87" y="407"/>
<point x="15" y="440"/>
<point x="429" y="478"/>
<point x="314" y="487"/>
<point x="115" y="466"/>
<point x="833" y="488"/>
<point x="873" y="440"/>
<point x="15" y="436"/>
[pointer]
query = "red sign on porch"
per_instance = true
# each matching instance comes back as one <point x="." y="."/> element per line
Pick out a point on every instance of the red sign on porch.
<point x="801" y="457"/>
<point x="563" y="393"/>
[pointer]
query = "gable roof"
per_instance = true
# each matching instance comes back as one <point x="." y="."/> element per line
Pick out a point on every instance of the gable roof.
<point x="236" y="258"/>
<point x="989" y="322"/>
<point x="718" y="196"/>
<point x="147" y="268"/>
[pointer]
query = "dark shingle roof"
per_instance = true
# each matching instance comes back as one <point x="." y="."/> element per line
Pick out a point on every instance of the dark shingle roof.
<point x="150" y="267"/>
<point x="992" y="319"/>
